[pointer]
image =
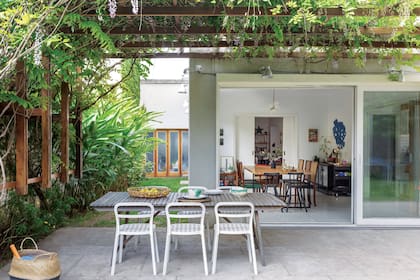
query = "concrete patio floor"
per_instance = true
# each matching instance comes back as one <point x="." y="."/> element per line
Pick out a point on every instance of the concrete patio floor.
<point x="291" y="253"/>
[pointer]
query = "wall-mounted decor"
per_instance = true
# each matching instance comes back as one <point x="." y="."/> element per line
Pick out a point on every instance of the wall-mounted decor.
<point x="313" y="135"/>
<point x="339" y="131"/>
<point x="226" y="164"/>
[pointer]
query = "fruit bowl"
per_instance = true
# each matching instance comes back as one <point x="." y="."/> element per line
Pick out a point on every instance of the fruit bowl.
<point x="149" y="192"/>
<point x="239" y="191"/>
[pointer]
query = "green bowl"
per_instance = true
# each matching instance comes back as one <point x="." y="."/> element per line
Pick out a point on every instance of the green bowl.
<point x="239" y="191"/>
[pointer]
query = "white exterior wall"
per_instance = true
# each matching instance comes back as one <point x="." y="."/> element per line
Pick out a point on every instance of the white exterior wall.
<point x="162" y="96"/>
<point x="159" y="92"/>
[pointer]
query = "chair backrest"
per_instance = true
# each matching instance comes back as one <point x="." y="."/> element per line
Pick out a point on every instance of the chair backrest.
<point x="234" y="209"/>
<point x="314" y="170"/>
<point x="301" y="163"/>
<point x="294" y="176"/>
<point x="272" y="177"/>
<point x="240" y="172"/>
<point x="133" y="211"/>
<point x="188" y="210"/>
<point x="308" y="164"/>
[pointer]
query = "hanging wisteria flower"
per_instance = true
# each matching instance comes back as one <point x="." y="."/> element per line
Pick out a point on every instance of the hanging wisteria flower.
<point x="112" y="4"/>
<point x="37" y="49"/>
<point x="135" y="5"/>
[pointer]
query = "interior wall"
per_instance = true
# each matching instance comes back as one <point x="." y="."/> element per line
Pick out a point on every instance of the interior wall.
<point x="313" y="107"/>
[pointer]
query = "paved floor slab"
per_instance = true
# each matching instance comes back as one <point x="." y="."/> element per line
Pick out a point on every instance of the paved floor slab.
<point x="291" y="253"/>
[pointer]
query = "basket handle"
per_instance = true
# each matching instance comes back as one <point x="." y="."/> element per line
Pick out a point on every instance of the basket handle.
<point x="28" y="238"/>
<point x="48" y="255"/>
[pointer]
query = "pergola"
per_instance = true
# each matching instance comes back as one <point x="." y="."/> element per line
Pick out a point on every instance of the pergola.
<point x="202" y="29"/>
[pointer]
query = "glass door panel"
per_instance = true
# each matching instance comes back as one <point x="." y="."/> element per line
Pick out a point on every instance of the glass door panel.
<point x="184" y="158"/>
<point x="161" y="153"/>
<point x="391" y="155"/>
<point x="174" y="153"/>
<point x="150" y="158"/>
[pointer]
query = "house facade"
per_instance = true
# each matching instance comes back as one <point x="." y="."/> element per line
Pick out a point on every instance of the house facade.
<point x="165" y="91"/>
<point x="379" y="117"/>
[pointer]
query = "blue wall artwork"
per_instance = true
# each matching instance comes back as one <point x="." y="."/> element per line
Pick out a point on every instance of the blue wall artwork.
<point x="339" y="131"/>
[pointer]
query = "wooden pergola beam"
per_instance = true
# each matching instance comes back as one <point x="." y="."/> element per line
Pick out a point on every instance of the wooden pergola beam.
<point x="64" y="143"/>
<point x="211" y="30"/>
<point x="21" y="132"/>
<point x="221" y="55"/>
<point x="46" y="121"/>
<point x="239" y="11"/>
<point x="256" y="43"/>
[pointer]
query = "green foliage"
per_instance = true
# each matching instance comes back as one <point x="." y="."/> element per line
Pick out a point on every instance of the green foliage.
<point x="12" y="97"/>
<point x="22" y="218"/>
<point x="135" y="70"/>
<point x="115" y="142"/>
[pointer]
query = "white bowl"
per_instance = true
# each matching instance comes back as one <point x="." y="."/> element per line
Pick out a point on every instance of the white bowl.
<point x="239" y="191"/>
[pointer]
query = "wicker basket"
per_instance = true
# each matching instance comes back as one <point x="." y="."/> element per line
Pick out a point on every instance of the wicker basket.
<point x="148" y="192"/>
<point x="40" y="265"/>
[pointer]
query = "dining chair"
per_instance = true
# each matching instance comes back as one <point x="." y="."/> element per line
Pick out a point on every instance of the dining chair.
<point x="272" y="180"/>
<point x="203" y="191"/>
<point x="138" y="222"/>
<point x="296" y="187"/>
<point x="301" y="164"/>
<point x="195" y="210"/>
<point x="308" y="164"/>
<point x="255" y="185"/>
<point x="311" y="180"/>
<point x="223" y="212"/>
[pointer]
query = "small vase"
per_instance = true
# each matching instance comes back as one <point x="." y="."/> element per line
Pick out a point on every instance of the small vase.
<point x="273" y="164"/>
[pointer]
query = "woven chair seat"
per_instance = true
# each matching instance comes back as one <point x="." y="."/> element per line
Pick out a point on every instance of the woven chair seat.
<point x="185" y="229"/>
<point x="233" y="228"/>
<point x="135" y="229"/>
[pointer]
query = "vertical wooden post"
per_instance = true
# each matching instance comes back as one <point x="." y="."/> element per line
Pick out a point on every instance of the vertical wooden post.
<point x="64" y="116"/>
<point x="21" y="133"/>
<point x="46" y="127"/>
<point x="79" y="133"/>
<point x="79" y="144"/>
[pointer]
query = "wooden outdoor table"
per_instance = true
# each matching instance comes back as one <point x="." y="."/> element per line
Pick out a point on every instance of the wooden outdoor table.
<point x="261" y="201"/>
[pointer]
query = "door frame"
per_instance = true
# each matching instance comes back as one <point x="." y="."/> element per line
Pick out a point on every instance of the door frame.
<point x="168" y="172"/>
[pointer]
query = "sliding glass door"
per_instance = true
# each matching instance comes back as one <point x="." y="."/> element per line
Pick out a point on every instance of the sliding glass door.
<point x="391" y="155"/>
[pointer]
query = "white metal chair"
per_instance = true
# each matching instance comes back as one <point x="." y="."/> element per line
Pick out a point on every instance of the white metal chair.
<point x="197" y="210"/>
<point x="223" y="210"/>
<point x="121" y="211"/>
<point x="203" y="191"/>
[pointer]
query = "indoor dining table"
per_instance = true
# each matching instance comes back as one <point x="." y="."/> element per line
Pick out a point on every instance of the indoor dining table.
<point x="262" y="202"/>
<point x="260" y="171"/>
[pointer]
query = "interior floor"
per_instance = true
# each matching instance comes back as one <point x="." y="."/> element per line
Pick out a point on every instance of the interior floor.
<point x="329" y="210"/>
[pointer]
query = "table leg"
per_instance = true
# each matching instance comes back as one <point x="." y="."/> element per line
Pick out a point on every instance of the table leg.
<point x="258" y="237"/>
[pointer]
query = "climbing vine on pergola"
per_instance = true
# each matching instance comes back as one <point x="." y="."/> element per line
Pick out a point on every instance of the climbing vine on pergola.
<point x="55" y="51"/>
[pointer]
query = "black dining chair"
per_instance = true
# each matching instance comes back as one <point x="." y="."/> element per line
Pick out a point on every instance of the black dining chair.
<point x="297" y="188"/>
<point x="272" y="180"/>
